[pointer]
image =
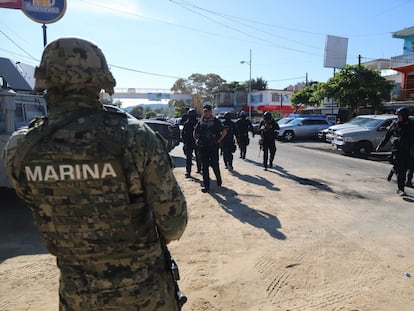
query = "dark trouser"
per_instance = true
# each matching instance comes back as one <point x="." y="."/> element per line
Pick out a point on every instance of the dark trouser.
<point x="228" y="154"/>
<point x="410" y="174"/>
<point x="403" y="163"/>
<point x="188" y="150"/>
<point x="243" y="141"/>
<point x="210" y="157"/>
<point x="269" y="151"/>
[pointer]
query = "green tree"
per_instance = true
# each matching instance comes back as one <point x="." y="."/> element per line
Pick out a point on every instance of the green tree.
<point x="358" y="86"/>
<point x="203" y="84"/>
<point x="309" y="95"/>
<point x="258" y="84"/>
<point x="182" y="86"/>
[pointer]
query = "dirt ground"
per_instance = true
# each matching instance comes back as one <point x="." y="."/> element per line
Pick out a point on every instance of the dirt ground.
<point x="236" y="254"/>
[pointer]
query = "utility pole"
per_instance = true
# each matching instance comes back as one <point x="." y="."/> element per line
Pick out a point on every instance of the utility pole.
<point x="250" y="82"/>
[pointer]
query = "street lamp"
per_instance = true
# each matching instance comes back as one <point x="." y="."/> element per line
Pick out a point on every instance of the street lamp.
<point x="250" y="82"/>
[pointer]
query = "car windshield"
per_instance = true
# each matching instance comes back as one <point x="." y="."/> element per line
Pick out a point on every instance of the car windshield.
<point x="359" y="120"/>
<point x="372" y="123"/>
<point x="284" y="121"/>
<point x="295" y="122"/>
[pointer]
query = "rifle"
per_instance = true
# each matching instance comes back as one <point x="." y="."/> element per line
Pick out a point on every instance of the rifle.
<point x="173" y="269"/>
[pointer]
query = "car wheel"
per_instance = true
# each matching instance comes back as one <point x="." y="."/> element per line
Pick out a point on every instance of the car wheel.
<point x="288" y="135"/>
<point x="363" y="149"/>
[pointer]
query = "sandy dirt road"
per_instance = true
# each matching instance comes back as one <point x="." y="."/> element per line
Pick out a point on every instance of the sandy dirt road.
<point x="261" y="242"/>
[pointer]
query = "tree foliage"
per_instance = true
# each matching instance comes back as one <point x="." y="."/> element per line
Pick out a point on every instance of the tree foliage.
<point x="259" y="84"/>
<point x="353" y="87"/>
<point x="206" y="85"/>
<point x="308" y="96"/>
<point x="358" y="86"/>
<point x="202" y="84"/>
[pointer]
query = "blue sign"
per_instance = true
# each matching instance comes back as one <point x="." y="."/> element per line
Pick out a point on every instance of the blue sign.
<point x="44" y="11"/>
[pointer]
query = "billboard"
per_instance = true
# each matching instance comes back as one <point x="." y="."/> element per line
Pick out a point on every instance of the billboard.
<point x="336" y="49"/>
<point x="9" y="4"/>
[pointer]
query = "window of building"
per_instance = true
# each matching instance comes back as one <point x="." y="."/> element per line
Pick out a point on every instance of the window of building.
<point x="275" y="97"/>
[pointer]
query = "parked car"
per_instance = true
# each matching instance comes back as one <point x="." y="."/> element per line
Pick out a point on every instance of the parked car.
<point x="168" y="130"/>
<point x="302" y="128"/>
<point x="284" y="121"/>
<point x="362" y="139"/>
<point x="328" y="134"/>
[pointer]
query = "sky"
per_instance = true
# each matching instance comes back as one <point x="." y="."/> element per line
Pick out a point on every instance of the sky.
<point x="149" y="44"/>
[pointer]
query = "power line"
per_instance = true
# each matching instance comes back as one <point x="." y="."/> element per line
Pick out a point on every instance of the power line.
<point x="18" y="46"/>
<point x="144" y="72"/>
<point x="186" y="5"/>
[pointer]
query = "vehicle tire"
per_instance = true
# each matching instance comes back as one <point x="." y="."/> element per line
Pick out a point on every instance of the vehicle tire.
<point x="288" y="135"/>
<point x="363" y="149"/>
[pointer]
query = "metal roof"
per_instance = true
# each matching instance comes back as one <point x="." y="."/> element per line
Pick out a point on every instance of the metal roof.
<point x="402" y="34"/>
<point x="19" y="76"/>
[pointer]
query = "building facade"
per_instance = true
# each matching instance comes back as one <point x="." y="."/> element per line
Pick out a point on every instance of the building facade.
<point x="405" y="65"/>
<point x="260" y="102"/>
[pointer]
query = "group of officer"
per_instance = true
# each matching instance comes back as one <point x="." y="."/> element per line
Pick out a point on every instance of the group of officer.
<point x="206" y="137"/>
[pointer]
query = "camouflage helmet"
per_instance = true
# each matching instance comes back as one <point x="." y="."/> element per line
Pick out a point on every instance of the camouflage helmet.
<point x="73" y="64"/>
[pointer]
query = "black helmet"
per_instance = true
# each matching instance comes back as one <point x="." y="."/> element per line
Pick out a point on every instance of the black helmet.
<point x="227" y="115"/>
<point x="403" y="111"/>
<point x="267" y="115"/>
<point x="242" y="114"/>
<point x="192" y="113"/>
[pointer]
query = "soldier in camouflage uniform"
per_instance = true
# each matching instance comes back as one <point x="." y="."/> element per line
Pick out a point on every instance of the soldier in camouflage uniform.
<point x="101" y="189"/>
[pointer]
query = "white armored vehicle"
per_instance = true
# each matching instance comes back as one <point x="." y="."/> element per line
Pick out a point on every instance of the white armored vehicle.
<point x="18" y="104"/>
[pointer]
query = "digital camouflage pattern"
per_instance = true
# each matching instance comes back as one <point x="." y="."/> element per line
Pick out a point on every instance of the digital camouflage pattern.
<point x="71" y="64"/>
<point x="102" y="192"/>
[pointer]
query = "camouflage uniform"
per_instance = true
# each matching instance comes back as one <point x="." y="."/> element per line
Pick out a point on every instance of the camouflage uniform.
<point x="102" y="193"/>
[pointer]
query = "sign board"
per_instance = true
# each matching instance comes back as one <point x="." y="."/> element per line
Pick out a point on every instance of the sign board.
<point x="9" y="4"/>
<point x="158" y="96"/>
<point x="44" y="11"/>
<point x="335" y="52"/>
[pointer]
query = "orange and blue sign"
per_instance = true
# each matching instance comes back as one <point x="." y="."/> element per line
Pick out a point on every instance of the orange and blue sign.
<point x="44" y="11"/>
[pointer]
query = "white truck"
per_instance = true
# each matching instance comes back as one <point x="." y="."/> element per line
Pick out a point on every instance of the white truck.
<point x="18" y="104"/>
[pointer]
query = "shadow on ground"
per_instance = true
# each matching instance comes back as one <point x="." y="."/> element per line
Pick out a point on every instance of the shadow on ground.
<point x="18" y="233"/>
<point x="232" y="205"/>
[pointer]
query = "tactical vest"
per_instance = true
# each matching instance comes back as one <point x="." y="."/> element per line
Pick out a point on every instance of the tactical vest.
<point x="209" y="131"/>
<point x="78" y="176"/>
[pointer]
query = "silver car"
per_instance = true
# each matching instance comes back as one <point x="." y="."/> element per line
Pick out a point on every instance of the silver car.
<point x="329" y="133"/>
<point x="302" y="128"/>
<point x="361" y="140"/>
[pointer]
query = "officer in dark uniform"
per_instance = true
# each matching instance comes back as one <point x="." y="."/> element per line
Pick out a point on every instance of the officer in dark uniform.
<point x="228" y="144"/>
<point x="402" y="132"/>
<point x="268" y="128"/>
<point x="100" y="186"/>
<point x="189" y="143"/>
<point x="208" y="134"/>
<point x="243" y="126"/>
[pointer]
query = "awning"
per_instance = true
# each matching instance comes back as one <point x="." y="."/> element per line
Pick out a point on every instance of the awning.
<point x="275" y="108"/>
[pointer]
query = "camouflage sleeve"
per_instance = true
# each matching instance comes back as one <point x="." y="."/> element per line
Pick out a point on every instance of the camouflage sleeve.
<point x="162" y="192"/>
<point x="8" y="155"/>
